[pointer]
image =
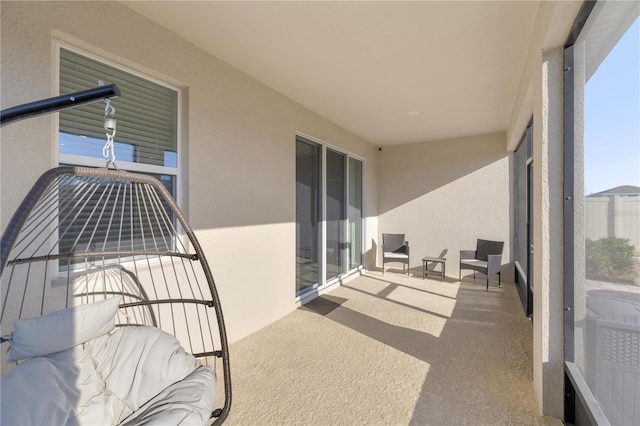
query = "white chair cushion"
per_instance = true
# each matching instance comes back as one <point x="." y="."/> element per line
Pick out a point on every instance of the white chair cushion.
<point x="474" y="262"/>
<point x="390" y="255"/>
<point x="138" y="362"/>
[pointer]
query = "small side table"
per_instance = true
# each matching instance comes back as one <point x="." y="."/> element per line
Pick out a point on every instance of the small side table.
<point x="436" y="260"/>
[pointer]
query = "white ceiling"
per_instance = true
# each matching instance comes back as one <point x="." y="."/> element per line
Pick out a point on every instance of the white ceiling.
<point x="389" y="71"/>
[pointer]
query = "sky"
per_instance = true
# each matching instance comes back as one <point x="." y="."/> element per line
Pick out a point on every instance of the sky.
<point x="612" y="117"/>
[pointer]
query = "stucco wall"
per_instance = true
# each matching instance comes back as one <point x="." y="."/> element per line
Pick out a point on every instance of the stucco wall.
<point x="239" y="176"/>
<point x="443" y="195"/>
<point x="548" y="313"/>
<point x="540" y="94"/>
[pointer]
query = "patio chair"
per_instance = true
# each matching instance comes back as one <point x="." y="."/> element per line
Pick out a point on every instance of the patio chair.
<point x="395" y="249"/>
<point x="486" y="258"/>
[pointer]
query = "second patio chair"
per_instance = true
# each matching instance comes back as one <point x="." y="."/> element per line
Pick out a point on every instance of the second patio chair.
<point x="395" y="249"/>
<point x="486" y="258"/>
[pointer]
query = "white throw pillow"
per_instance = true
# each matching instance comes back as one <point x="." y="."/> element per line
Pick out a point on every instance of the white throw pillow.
<point x="60" y="330"/>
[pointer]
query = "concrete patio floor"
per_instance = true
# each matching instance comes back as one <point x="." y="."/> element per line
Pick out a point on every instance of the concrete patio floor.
<point x="391" y="350"/>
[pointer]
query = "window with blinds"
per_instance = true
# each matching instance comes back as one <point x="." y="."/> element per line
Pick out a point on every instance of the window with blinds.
<point x="146" y="114"/>
<point x="146" y="141"/>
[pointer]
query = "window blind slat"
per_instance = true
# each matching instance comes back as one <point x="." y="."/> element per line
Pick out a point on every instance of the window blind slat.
<point x="146" y="112"/>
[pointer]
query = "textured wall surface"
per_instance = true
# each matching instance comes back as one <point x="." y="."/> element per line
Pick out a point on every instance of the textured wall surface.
<point x="238" y="136"/>
<point x="444" y="195"/>
<point x="548" y="230"/>
<point x="541" y="95"/>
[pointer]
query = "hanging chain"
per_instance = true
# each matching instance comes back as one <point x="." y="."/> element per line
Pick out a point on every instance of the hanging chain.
<point x="108" y="151"/>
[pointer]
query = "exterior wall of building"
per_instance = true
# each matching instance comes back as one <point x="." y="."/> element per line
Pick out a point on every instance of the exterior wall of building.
<point x="548" y="343"/>
<point x="443" y="195"/>
<point x="238" y="140"/>
<point x="540" y="95"/>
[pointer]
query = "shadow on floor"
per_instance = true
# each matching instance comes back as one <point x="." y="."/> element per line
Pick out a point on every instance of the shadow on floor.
<point x="390" y="351"/>
<point x="407" y="340"/>
<point x="480" y="357"/>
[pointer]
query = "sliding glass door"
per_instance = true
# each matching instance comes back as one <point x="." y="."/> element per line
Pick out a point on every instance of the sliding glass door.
<point x="523" y="163"/>
<point x="335" y="214"/>
<point x="308" y="215"/>
<point x="354" y="213"/>
<point x="329" y="215"/>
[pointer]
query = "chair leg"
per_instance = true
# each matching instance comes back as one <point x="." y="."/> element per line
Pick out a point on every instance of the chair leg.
<point x="499" y="283"/>
<point x="487" y="282"/>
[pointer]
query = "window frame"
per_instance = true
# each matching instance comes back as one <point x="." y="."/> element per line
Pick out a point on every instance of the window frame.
<point x="85" y="161"/>
<point x="520" y="212"/>
<point x="81" y="160"/>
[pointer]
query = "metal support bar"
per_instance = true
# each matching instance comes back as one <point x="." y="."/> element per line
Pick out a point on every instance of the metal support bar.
<point x="583" y="395"/>
<point x="58" y="103"/>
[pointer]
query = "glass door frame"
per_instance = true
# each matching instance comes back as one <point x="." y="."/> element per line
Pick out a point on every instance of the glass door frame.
<point x="523" y="179"/>
<point x="311" y="292"/>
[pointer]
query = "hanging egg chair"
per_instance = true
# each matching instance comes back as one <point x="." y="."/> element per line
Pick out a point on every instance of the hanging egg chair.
<point x="108" y="304"/>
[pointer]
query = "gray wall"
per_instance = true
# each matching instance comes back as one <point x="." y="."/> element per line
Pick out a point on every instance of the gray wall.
<point x="443" y="195"/>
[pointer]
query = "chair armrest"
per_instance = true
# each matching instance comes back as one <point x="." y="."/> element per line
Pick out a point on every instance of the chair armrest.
<point x="467" y="254"/>
<point x="494" y="263"/>
<point x="406" y="247"/>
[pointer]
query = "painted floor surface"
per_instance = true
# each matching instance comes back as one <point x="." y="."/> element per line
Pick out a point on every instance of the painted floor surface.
<point x="392" y="350"/>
